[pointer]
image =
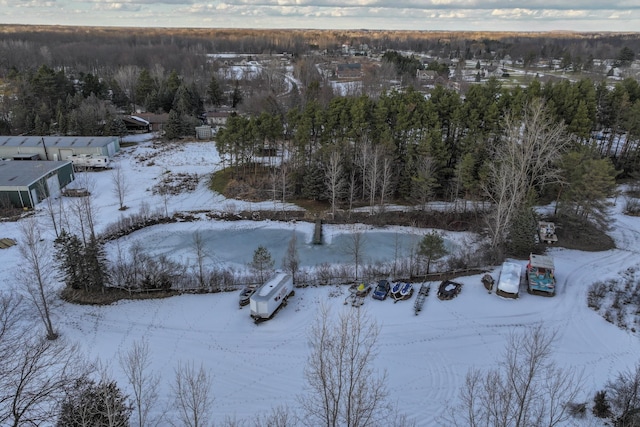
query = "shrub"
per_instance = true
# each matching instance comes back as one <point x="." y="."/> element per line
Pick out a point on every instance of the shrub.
<point x="601" y="408"/>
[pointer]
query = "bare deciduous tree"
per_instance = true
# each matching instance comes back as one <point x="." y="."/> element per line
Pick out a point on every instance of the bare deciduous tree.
<point x="354" y="247"/>
<point x="526" y="389"/>
<point x="53" y="209"/>
<point x="83" y="209"/>
<point x="386" y="177"/>
<point x="36" y="273"/>
<point x="352" y="189"/>
<point x="192" y="394"/>
<point x="624" y="396"/>
<point x="291" y="260"/>
<point x="120" y="185"/>
<point x="342" y="387"/>
<point x="525" y="158"/>
<point x="374" y="170"/>
<point x="135" y="364"/>
<point x="335" y="182"/>
<point x="126" y="77"/>
<point x="363" y="158"/>
<point x="200" y="251"/>
<point x="35" y="376"/>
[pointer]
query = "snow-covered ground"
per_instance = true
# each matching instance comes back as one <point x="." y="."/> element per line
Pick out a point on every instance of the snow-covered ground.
<point x="258" y="367"/>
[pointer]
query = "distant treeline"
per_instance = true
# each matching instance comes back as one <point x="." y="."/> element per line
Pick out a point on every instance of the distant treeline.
<point x="88" y="48"/>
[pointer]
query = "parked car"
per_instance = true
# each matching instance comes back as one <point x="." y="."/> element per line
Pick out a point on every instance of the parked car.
<point x="382" y="290"/>
<point x="245" y="295"/>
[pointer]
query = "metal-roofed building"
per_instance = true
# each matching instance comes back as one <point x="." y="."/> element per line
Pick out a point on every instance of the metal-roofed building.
<point x="57" y="148"/>
<point x="24" y="184"/>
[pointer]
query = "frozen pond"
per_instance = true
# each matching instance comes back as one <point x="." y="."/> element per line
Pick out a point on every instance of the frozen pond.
<point x="236" y="245"/>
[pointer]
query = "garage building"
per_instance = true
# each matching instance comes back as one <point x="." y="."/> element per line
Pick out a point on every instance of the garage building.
<point x="57" y="148"/>
<point x="24" y="184"/>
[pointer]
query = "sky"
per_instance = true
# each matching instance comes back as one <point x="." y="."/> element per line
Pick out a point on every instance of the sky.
<point x="455" y="15"/>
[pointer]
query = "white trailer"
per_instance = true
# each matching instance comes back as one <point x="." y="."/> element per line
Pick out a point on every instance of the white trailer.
<point x="90" y="161"/>
<point x="268" y="298"/>
<point x="509" y="281"/>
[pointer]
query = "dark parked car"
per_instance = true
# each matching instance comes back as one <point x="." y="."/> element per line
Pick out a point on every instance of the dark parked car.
<point x="382" y="290"/>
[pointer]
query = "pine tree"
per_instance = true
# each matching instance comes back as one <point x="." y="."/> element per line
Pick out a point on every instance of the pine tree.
<point x="601" y="408"/>
<point x="522" y="233"/>
<point x="262" y="263"/>
<point x="173" y="128"/>
<point x="144" y="86"/>
<point x="214" y="91"/>
<point x="69" y="252"/>
<point x="236" y="96"/>
<point x="313" y="182"/>
<point x="81" y="267"/>
<point x="97" y="405"/>
<point x="95" y="261"/>
<point x="432" y="248"/>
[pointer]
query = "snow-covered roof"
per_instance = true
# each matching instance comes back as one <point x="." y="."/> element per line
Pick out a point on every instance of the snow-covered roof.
<point x="265" y="291"/>
<point x="24" y="173"/>
<point x="541" y="261"/>
<point x="140" y="119"/>
<point x="509" y="278"/>
<point x="56" y="141"/>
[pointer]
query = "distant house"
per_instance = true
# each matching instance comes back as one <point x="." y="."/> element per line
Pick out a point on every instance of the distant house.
<point x="216" y="118"/>
<point x="136" y="124"/>
<point x="156" y="121"/>
<point x="57" y="147"/>
<point x="349" y="70"/>
<point x="25" y="184"/>
<point x="427" y="75"/>
<point x="492" y="71"/>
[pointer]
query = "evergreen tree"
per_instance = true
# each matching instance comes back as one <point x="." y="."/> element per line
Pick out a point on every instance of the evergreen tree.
<point x="95" y="260"/>
<point x="144" y="87"/>
<point x="69" y="252"/>
<point x="626" y="56"/>
<point x="80" y="266"/>
<point x="262" y="263"/>
<point x="214" y="92"/>
<point x="236" y="95"/>
<point x="313" y="182"/>
<point x="96" y="405"/>
<point x="432" y="248"/>
<point x="173" y="127"/>
<point x="601" y="407"/>
<point x="115" y="126"/>
<point x="589" y="182"/>
<point x="521" y="234"/>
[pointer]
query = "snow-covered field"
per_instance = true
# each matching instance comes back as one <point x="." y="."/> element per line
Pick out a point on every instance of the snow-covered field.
<point x="256" y="368"/>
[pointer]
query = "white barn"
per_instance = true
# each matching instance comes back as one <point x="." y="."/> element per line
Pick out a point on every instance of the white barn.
<point x="57" y="148"/>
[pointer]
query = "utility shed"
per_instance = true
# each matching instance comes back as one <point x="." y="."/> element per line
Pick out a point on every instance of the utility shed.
<point x="58" y="148"/>
<point x="24" y="184"/>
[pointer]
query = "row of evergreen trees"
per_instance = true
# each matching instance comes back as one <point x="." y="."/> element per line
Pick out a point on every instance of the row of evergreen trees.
<point x="82" y="264"/>
<point x="453" y="134"/>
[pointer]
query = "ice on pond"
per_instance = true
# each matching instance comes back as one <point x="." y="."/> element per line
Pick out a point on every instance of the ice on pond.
<point x="237" y="245"/>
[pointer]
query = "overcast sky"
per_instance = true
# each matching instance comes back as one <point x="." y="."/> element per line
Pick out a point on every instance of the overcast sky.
<point x="485" y="15"/>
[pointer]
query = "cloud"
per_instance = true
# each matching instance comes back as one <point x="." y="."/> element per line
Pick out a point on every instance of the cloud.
<point x="481" y="15"/>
